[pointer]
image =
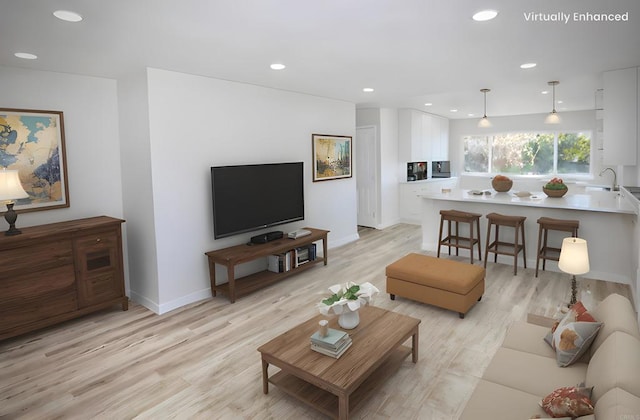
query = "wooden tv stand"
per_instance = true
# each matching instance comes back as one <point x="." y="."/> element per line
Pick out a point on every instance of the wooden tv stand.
<point x="232" y="256"/>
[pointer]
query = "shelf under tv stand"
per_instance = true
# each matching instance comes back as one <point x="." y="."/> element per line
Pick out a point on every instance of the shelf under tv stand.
<point x="238" y="254"/>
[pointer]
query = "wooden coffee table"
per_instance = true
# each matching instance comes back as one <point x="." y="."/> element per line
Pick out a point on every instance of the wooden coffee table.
<point x="336" y="386"/>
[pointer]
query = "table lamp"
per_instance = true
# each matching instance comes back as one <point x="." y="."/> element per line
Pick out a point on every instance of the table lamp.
<point x="574" y="259"/>
<point x="11" y="189"/>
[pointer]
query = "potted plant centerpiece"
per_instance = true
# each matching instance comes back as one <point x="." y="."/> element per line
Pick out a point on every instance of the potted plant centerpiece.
<point x="346" y="300"/>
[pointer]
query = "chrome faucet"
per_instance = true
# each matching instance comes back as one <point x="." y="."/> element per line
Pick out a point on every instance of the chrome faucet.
<point x="616" y="187"/>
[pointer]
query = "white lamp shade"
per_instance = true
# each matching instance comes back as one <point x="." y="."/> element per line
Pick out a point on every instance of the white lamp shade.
<point x="484" y="122"/>
<point x="574" y="256"/>
<point x="552" y="118"/>
<point x="10" y="186"/>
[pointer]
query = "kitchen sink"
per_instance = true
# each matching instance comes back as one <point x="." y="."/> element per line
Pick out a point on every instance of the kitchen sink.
<point x="634" y="191"/>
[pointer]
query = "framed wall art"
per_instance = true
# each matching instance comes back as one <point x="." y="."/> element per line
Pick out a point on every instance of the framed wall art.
<point x="32" y="142"/>
<point x="332" y="157"/>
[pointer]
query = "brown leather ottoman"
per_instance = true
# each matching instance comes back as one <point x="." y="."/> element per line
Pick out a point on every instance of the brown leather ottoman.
<point x="444" y="283"/>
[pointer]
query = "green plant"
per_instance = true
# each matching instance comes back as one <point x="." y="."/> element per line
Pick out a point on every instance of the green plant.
<point x="349" y="294"/>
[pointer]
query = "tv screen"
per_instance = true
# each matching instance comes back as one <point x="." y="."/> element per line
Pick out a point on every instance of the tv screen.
<point x="252" y="197"/>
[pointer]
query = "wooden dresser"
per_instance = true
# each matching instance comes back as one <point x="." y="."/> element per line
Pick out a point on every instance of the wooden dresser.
<point x="55" y="272"/>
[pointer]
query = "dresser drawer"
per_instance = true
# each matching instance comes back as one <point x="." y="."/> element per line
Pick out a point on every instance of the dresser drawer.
<point x="26" y="298"/>
<point x="39" y="257"/>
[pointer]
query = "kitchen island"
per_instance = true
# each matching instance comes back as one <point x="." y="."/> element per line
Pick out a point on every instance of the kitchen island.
<point x="607" y="222"/>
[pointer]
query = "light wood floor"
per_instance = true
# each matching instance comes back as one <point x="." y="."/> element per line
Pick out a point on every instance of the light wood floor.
<point x="201" y="361"/>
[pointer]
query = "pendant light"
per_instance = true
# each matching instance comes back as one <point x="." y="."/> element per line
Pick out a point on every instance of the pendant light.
<point x="484" y="121"/>
<point x="553" y="117"/>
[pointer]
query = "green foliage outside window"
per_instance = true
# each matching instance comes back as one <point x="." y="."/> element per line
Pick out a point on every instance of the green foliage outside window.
<point x="528" y="153"/>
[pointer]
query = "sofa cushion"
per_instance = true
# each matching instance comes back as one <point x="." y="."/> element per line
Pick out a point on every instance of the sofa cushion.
<point x="615" y="364"/>
<point x="571" y="340"/>
<point x="617" y="404"/>
<point x="492" y="401"/>
<point x="527" y="337"/>
<point x="572" y="401"/>
<point x="531" y="373"/>
<point x="617" y="314"/>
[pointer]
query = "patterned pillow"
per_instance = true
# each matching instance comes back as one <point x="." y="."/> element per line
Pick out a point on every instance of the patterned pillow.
<point x="573" y="335"/>
<point x="570" y="401"/>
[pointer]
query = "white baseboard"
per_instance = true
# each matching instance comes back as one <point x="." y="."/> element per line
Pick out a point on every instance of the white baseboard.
<point x="163" y="308"/>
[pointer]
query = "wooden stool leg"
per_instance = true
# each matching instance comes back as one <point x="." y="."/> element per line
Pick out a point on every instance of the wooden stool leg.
<point x="440" y="235"/>
<point x="515" y="251"/>
<point x="486" y="248"/>
<point x="471" y="241"/>
<point x="449" y="232"/>
<point x="495" y="255"/>
<point x="524" y="245"/>
<point x="539" y="249"/>
<point x="457" y="235"/>
<point x="479" y="242"/>
<point x="544" y="246"/>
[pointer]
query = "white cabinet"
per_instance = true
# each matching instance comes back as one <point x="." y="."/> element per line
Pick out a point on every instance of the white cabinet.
<point x="620" y="123"/>
<point x="439" y="138"/>
<point x="422" y="136"/>
<point x="411" y="139"/>
<point x="410" y="200"/>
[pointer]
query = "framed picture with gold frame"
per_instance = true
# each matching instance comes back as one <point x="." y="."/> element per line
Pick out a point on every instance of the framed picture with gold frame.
<point x="32" y="142"/>
<point x="332" y="157"/>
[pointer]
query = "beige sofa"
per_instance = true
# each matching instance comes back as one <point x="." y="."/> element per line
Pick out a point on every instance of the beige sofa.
<point x="524" y="370"/>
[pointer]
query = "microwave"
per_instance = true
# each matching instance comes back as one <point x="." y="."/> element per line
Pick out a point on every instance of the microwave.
<point x="441" y="169"/>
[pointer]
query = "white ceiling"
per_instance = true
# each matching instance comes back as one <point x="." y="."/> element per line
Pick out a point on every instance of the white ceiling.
<point x="409" y="51"/>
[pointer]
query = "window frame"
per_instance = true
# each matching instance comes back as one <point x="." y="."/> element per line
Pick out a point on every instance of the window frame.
<point x="491" y="136"/>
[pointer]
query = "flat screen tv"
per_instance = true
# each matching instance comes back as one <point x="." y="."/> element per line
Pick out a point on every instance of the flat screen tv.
<point x="252" y="197"/>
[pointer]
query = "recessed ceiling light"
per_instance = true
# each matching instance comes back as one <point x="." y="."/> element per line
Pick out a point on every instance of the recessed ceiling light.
<point x="528" y="65"/>
<point x="67" y="15"/>
<point x="26" y="56"/>
<point x="560" y="102"/>
<point x="471" y="115"/>
<point x="545" y="92"/>
<point x="367" y="90"/>
<point x="278" y="66"/>
<point x="428" y="104"/>
<point x="485" y="15"/>
<point x="453" y="110"/>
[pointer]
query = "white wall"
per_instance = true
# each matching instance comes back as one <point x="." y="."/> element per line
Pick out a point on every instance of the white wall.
<point x="197" y="122"/>
<point x="137" y="189"/>
<point x="389" y="182"/>
<point x="90" y="115"/>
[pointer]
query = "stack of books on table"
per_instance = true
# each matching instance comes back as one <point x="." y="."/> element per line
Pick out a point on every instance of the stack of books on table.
<point x="334" y="344"/>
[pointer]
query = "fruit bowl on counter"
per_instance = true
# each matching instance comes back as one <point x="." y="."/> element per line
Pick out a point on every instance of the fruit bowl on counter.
<point x="555" y="188"/>
<point x="501" y="183"/>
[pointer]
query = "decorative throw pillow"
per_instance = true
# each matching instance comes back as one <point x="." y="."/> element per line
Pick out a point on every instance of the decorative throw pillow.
<point x="572" y="336"/>
<point x="572" y="340"/>
<point x="577" y="312"/>
<point x="572" y="401"/>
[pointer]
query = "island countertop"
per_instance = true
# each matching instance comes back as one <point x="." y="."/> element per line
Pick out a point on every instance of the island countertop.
<point x="607" y="221"/>
<point x="595" y="201"/>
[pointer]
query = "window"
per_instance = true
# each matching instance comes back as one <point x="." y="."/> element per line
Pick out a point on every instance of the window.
<point x="529" y="153"/>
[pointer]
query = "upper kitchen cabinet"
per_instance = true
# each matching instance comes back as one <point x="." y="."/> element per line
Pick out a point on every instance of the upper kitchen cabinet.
<point x="422" y="136"/>
<point x="438" y="138"/>
<point x="620" y="122"/>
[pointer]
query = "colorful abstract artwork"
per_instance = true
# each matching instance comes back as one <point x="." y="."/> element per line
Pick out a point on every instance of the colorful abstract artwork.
<point x="32" y="142"/>
<point x="331" y="157"/>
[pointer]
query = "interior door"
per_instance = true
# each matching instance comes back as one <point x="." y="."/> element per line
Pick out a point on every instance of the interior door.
<point x="366" y="176"/>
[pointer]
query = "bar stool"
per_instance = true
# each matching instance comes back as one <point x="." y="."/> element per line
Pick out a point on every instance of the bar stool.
<point x="455" y="240"/>
<point x="546" y="224"/>
<point x="498" y="247"/>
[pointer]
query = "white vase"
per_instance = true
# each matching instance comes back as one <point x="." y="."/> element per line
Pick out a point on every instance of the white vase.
<point x="349" y="319"/>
